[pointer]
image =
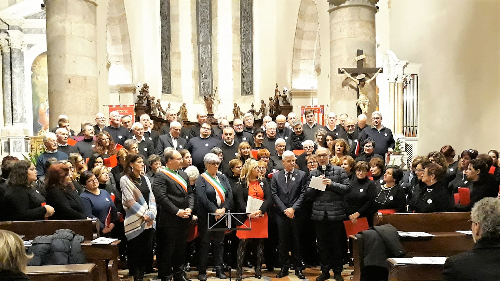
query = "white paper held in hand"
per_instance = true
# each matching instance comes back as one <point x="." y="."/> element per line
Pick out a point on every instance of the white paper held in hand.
<point x="317" y="183"/>
<point x="253" y="204"/>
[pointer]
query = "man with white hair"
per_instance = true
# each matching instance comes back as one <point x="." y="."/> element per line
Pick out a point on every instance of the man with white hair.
<point x="482" y="262"/>
<point x="148" y="132"/>
<point x="172" y="139"/>
<point x="248" y="120"/>
<point x="145" y="146"/>
<point x="361" y="124"/>
<point x="382" y="135"/>
<point x="291" y="117"/>
<point x="334" y="130"/>
<point x="276" y="159"/>
<point x="62" y="142"/>
<point x="288" y="188"/>
<point x="50" y="143"/>
<point x="119" y="133"/>
<point x="308" y="147"/>
<point x="265" y="120"/>
<point x="270" y="137"/>
<point x="100" y="122"/>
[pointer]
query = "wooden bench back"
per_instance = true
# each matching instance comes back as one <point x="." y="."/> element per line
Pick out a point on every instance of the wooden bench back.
<point x="428" y="222"/>
<point x="32" y="229"/>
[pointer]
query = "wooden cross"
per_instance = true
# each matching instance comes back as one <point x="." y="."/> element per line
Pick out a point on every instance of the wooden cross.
<point x="360" y="57"/>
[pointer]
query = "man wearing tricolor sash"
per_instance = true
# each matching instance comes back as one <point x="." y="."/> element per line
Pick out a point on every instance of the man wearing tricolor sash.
<point x="214" y="196"/>
<point x="175" y="201"/>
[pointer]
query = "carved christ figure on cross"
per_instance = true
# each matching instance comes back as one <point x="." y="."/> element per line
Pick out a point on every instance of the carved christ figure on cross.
<point x="362" y="84"/>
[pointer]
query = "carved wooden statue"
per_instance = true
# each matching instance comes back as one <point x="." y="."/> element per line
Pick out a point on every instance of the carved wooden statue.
<point x="236" y="112"/>
<point x="263" y="110"/>
<point x="209" y="102"/>
<point x="183" y="112"/>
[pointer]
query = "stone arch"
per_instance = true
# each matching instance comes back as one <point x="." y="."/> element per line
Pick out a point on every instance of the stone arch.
<point x="306" y="48"/>
<point x="118" y="44"/>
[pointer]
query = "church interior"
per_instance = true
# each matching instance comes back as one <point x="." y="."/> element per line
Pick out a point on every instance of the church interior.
<point x="428" y="66"/>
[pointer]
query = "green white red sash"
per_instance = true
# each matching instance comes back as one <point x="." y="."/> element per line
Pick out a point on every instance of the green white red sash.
<point x="176" y="177"/>
<point x="221" y="191"/>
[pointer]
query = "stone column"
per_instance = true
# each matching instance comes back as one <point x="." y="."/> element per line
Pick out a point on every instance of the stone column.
<point x="17" y="74"/>
<point x="72" y="60"/>
<point x="6" y="81"/>
<point x="352" y="27"/>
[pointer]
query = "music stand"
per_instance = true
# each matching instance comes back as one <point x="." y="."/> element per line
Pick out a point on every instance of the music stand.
<point x="229" y="228"/>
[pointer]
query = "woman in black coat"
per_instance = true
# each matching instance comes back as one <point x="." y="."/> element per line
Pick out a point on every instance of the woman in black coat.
<point x="483" y="183"/>
<point x="62" y="195"/>
<point x="390" y="195"/>
<point x="433" y="195"/>
<point x="24" y="203"/>
<point x="360" y="199"/>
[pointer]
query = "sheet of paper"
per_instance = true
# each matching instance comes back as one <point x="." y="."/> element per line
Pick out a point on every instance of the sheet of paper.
<point x="103" y="241"/>
<point x="466" y="232"/>
<point x="429" y="260"/>
<point x="253" y="204"/>
<point x="414" y="234"/>
<point x="317" y="183"/>
<point x="403" y="260"/>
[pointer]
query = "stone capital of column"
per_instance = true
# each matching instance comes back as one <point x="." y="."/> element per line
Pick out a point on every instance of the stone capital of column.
<point x="16" y="38"/>
<point x="391" y="78"/>
<point x="335" y="4"/>
<point x="4" y="42"/>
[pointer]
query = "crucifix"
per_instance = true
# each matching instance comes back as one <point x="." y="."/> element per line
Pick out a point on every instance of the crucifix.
<point x="358" y="75"/>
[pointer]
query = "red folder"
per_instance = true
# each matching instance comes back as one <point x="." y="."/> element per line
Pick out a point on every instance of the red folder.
<point x="72" y="142"/>
<point x="254" y="153"/>
<point x="456" y="196"/>
<point x="108" y="218"/>
<point x="387" y="211"/>
<point x="360" y="225"/>
<point x="464" y="194"/>
<point x="111" y="162"/>
<point x="298" y="151"/>
<point x="492" y="169"/>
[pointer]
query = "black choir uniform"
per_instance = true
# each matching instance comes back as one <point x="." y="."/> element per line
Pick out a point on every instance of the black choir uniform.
<point x="172" y="230"/>
<point x="152" y="136"/>
<point x="84" y="147"/>
<point x="198" y="147"/>
<point x="68" y="149"/>
<point x="288" y="191"/>
<point x="430" y="199"/>
<point x="119" y="135"/>
<point x="146" y="147"/>
<point x="390" y="198"/>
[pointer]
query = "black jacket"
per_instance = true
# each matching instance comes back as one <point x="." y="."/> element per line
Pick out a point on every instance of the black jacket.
<point x="389" y="199"/>
<point x="170" y="197"/>
<point x="24" y="204"/>
<point x="329" y="204"/>
<point x="481" y="263"/>
<point x="240" y="197"/>
<point x="429" y="199"/>
<point x="66" y="203"/>
<point x="165" y="141"/>
<point x="360" y="198"/>
<point x="206" y="199"/>
<point x="291" y="197"/>
<point x="63" y="247"/>
<point x="297" y="140"/>
<point x="379" y="244"/>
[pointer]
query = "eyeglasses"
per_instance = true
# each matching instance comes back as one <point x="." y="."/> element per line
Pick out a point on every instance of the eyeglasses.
<point x="214" y="164"/>
<point x="322" y="155"/>
<point x="368" y="146"/>
<point x="312" y="163"/>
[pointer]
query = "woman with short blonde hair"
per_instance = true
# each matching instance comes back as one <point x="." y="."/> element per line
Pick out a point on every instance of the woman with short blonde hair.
<point x="13" y="257"/>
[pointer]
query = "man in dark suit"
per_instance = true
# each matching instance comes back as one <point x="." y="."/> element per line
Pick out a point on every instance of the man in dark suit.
<point x="288" y="188"/>
<point x="175" y="201"/>
<point x="171" y="139"/>
<point x="145" y="146"/>
<point x="482" y="262"/>
<point x="352" y="136"/>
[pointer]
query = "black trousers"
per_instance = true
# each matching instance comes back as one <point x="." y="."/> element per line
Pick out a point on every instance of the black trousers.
<point x="139" y="249"/>
<point x="289" y="235"/>
<point x="330" y="246"/>
<point x="218" y="242"/>
<point x="171" y="250"/>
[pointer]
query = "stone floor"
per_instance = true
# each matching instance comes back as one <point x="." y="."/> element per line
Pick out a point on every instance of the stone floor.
<point x="248" y="275"/>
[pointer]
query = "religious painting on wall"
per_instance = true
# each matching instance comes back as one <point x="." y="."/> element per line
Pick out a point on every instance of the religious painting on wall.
<point x="40" y="93"/>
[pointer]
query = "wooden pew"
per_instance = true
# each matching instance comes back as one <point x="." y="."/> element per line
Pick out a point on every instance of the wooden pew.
<point x="414" y="272"/>
<point x="446" y="242"/>
<point x="428" y="222"/>
<point x="104" y="256"/>
<point x="73" y="272"/>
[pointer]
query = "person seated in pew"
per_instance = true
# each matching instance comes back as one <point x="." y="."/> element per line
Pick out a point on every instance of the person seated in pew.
<point x="493" y="171"/>
<point x="377" y="170"/>
<point x="23" y="201"/>
<point x="390" y="196"/>
<point x="433" y="195"/>
<point x="62" y="195"/>
<point x="460" y="179"/>
<point x="483" y="184"/>
<point x="415" y="189"/>
<point x="482" y="262"/>
<point x="361" y="197"/>
<point x="13" y="257"/>
<point x="439" y="158"/>
<point x="97" y="203"/>
<point x="7" y="164"/>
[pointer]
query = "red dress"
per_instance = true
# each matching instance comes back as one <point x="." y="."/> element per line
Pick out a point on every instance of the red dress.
<point x="259" y="225"/>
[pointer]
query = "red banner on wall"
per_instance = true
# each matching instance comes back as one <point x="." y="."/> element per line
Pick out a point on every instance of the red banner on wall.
<point x="319" y="111"/>
<point x="123" y="110"/>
